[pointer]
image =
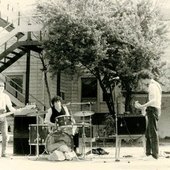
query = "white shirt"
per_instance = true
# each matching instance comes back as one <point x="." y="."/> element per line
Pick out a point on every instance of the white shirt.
<point x="5" y="101"/>
<point x="155" y="94"/>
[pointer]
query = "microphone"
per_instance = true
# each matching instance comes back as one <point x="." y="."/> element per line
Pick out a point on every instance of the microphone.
<point x="116" y="78"/>
<point x="92" y="103"/>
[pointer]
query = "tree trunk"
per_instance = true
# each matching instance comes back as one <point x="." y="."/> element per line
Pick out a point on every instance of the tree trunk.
<point x="45" y="78"/>
<point x="109" y="99"/>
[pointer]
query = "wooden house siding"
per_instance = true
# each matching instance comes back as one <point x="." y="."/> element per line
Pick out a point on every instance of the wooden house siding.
<point x="164" y="121"/>
<point x="71" y="86"/>
<point x="36" y="84"/>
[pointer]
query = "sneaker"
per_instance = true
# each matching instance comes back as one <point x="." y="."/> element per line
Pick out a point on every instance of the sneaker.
<point x="149" y="158"/>
<point x="148" y="154"/>
<point x="4" y="156"/>
<point x="155" y="156"/>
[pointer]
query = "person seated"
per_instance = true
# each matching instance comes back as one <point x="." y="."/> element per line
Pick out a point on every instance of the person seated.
<point x="57" y="110"/>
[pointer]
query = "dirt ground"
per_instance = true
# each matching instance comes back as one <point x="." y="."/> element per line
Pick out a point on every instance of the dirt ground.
<point x="131" y="158"/>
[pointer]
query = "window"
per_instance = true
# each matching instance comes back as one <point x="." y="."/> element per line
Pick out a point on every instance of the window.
<point x="88" y="88"/>
<point x="14" y="85"/>
<point x="16" y="81"/>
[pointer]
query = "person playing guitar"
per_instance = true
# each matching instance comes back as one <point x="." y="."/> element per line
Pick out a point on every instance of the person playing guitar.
<point x="5" y="102"/>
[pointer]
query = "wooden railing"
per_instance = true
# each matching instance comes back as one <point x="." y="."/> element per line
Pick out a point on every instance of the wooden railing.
<point x="19" y="92"/>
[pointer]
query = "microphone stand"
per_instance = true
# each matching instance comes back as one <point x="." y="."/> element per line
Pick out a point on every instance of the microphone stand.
<point x="116" y="124"/>
<point x="83" y="128"/>
<point x="37" y="144"/>
<point x="91" y="143"/>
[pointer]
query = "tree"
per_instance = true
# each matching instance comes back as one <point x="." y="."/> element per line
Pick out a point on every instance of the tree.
<point x="45" y="70"/>
<point x="105" y="37"/>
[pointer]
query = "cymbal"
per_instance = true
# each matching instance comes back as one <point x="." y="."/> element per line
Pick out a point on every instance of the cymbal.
<point x="39" y="113"/>
<point x="83" y="113"/>
<point x="42" y="112"/>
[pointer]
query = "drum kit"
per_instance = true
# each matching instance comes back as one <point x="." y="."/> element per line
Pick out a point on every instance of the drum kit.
<point x="39" y="133"/>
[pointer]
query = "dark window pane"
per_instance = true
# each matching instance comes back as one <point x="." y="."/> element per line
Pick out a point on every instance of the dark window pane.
<point x="16" y="81"/>
<point x="89" y="88"/>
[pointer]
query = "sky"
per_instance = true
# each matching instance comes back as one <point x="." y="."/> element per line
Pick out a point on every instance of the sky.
<point x="10" y="8"/>
<point x="15" y="5"/>
<point x="26" y="3"/>
<point x="27" y="6"/>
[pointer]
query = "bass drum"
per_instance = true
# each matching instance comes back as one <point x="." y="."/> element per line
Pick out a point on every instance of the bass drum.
<point x="60" y="141"/>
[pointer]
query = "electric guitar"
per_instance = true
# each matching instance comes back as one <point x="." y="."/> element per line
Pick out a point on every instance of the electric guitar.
<point x="22" y="111"/>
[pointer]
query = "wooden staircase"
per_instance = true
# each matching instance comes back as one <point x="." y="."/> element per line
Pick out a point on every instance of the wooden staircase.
<point x="18" y="41"/>
<point x="4" y="23"/>
<point x="15" y="42"/>
<point x="16" y="51"/>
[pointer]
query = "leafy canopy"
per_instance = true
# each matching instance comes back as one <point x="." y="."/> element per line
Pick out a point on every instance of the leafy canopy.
<point x="105" y="37"/>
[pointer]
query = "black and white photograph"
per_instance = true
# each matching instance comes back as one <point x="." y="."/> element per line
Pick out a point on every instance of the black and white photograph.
<point x="85" y="84"/>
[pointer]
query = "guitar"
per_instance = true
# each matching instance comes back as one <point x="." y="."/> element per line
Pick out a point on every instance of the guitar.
<point x="138" y="106"/>
<point x="22" y="111"/>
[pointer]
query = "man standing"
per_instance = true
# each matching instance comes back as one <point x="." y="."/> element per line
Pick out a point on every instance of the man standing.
<point x="153" y="111"/>
<point x="5" y="101"/>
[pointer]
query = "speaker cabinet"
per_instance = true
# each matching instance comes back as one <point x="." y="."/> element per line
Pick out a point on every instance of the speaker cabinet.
<point x="131" y="124"/>
<point x="21" y="134"/>
<point x="99" y="118"/>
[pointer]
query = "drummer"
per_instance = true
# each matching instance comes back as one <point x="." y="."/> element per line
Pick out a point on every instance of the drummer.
<point x="58" y="109"/>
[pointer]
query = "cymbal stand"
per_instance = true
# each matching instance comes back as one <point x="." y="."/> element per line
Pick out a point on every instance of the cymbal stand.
<point x="84" y="135"/>
<point x="90" y="131"/>
<point x="83" y="138"/>
<point x="37" y="139"/>
<point x="37" y="136"/>
<point x="83" y="128"/>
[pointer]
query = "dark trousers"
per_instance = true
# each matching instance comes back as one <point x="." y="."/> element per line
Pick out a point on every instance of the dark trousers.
<point x="76" y="140"/>
<point x="152" y="140"/>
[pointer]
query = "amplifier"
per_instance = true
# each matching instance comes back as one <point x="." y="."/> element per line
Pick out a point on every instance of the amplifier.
<point x="131" y="124"/>
<point x="21" y="134"/>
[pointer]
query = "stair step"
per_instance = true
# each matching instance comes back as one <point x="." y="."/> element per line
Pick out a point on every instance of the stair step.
<point x="2" y="62"/>
<point x="13" y="52"/>
<point x="5" y="24"/>
<point x="19" y="35"/>
<point x="8" y="57"/>
<point x="22" y="48"/>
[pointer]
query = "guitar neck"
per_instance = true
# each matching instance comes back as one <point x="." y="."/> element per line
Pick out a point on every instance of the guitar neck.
<point x="26" y="110"/>
<point x="6" y="114"/>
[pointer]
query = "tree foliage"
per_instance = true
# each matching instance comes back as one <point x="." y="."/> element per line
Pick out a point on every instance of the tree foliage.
<point x="105" y="37"/>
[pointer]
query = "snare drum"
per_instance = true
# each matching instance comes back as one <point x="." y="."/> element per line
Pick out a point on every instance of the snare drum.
<point x="64" y="123"/>
<point x="59" y="140"/>
<point x="42" y="133"/>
